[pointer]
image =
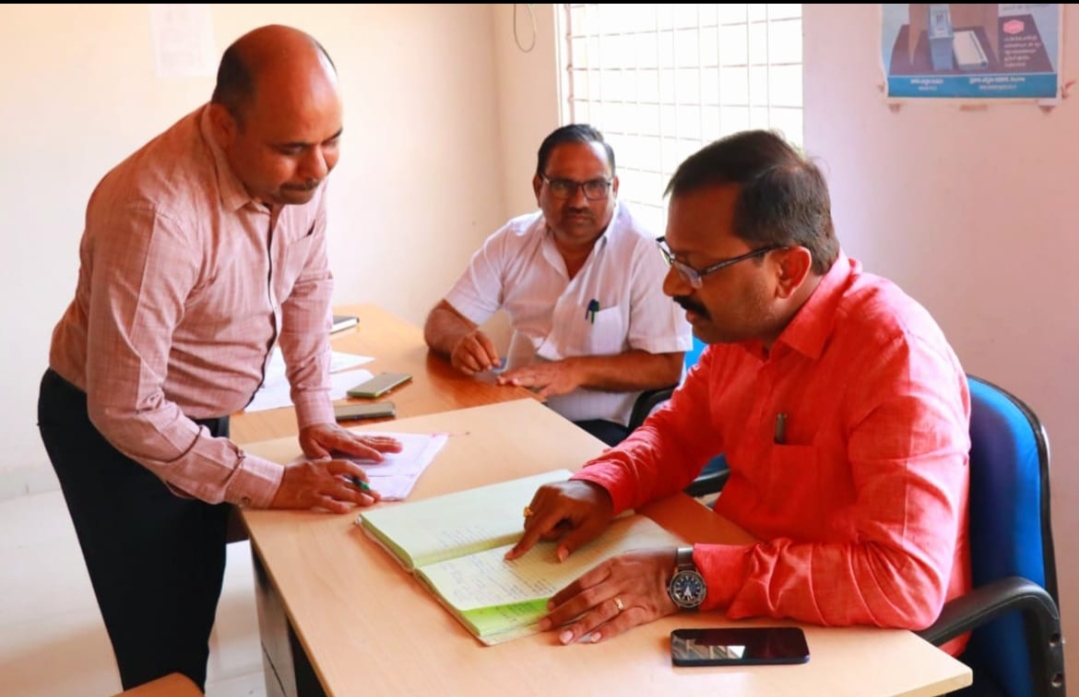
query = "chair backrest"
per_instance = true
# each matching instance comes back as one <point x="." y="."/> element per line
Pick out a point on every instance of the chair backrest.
<point x="694" y="354"/>
<point x="1010" y="533"/>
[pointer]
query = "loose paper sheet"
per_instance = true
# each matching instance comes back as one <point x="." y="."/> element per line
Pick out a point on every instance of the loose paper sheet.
<point x="274" y="392"/>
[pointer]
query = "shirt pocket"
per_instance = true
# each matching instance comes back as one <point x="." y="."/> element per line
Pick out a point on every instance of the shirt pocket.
<point x="792" y="481"/>
<point x="578" y="331"/>
<point x="607" y="333"/>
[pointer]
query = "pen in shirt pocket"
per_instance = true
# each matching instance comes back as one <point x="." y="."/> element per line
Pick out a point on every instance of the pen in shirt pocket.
<point x="593" y="308"/>
<point x="780" y="435"/>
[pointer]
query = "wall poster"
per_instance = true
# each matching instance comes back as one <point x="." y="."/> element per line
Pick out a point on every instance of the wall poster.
<point x="970" y="51"/>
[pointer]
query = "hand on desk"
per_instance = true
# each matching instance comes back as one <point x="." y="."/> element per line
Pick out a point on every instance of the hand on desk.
<point x="546" y="379"/>
<point x="325" y="482"/>
<point x="620" y="593"/>
<point x="320" y="441"/>
<point x="617" y="595"/>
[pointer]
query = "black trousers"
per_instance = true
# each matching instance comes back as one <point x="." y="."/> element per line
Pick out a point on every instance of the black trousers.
<point x="609" y="432"/>
<point x="156" y="561"/>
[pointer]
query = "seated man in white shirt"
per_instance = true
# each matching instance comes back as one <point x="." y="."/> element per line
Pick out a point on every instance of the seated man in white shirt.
<point x="582" y="284"/>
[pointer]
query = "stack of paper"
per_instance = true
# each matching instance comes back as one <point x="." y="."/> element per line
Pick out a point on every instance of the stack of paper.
<point x="274" y="392"/>
<point x="395" y="476"/>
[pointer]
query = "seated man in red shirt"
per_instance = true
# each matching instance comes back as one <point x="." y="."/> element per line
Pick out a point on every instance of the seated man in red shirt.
<point x="841" y="409"/>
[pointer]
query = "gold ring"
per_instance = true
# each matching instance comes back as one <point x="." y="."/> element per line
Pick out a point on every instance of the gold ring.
<point x="527" y="511"/>
<point x="618" y="604"/>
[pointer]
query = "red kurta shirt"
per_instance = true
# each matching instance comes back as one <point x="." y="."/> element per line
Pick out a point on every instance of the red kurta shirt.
<point x="861" y="509"/>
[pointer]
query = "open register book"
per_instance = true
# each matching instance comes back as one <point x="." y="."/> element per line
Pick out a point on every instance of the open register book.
<point x="455" y="545"/>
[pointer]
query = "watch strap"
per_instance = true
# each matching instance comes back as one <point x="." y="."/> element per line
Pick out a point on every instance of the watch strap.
<point x="684" y="559"/>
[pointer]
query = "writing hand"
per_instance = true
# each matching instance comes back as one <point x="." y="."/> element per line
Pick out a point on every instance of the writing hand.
<point x="474" y="353"/>
<point x="323" y="483"/>
<point x="619" y="594"/>
<point x="575" y="511"/>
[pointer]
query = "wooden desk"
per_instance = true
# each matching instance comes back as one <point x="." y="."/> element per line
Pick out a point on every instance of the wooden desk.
<point x="358" y="624"/>
<point x="396" y="346"/>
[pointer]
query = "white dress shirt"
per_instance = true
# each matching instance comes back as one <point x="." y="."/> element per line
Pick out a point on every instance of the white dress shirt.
<point x="518" y="269"/>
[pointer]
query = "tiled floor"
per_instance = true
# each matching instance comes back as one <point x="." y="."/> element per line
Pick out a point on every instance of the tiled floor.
<point x="52" y="639"/>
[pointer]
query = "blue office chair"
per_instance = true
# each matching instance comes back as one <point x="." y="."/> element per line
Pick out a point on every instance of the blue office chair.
<point x="715" y="473"/>
<point x="1012" y="612"/>
<point x="1016" y="648"/>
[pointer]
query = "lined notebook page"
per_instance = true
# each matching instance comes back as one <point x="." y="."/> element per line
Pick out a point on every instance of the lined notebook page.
<point x="486" y="579"/>
<point x="457" y="524"/>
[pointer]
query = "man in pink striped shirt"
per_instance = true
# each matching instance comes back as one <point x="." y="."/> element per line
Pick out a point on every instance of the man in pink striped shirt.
<point x="841" y="409"/>
<point x="201" y="251"/>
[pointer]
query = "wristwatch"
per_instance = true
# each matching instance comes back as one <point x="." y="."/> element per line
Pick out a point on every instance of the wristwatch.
<point x="687" y="587"/>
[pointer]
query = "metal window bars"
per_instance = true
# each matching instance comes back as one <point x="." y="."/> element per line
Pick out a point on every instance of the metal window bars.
<point x="661" y="81"/>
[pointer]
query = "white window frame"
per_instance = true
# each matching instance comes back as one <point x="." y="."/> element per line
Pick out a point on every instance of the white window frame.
<point x="705" y="71"/>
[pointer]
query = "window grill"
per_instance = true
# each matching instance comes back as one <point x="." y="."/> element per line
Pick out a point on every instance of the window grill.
<point x="661" y="81"/>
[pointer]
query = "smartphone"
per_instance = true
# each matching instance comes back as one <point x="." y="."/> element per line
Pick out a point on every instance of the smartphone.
<point x="738" y="646"/>
<point x="379" y="385"/>
<point x="352" y="412"/>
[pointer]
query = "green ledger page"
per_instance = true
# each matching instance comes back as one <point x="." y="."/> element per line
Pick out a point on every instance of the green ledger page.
<point x="495" y="597"/>
<point x="443" y="527"/>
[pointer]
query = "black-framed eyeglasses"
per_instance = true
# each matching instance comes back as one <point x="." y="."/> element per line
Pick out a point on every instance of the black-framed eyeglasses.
<point x="695" y="277"/>
<point x="594" y="189"/>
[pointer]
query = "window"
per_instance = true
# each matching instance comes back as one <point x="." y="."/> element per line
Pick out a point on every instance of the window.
<point x="661" y="81"/>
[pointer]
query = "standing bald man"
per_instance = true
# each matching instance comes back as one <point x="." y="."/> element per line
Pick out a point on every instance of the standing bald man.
<point x="201" y="251"/>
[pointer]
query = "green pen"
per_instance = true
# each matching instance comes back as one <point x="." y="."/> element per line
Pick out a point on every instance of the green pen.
<point x="359" y="483"/>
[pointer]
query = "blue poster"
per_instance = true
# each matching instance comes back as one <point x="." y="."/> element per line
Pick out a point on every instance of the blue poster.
<point x="972" y="51"/>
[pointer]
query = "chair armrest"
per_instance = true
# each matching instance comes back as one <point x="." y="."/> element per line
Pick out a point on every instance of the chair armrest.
<point x="646" y="402"/>
<point x="708" y="483"/>
<point x="1041" y="618"/>
<point x="961" y="615"/>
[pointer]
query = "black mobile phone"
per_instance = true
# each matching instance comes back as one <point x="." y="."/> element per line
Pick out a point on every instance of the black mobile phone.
<point x="738" y="646"/>
<point x="352" y="412"/>
<point x="379" y="385"/>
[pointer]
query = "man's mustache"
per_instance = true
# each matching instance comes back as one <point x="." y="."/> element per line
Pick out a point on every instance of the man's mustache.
<point x="309" y="185"/>
<point x="691" y="306"/>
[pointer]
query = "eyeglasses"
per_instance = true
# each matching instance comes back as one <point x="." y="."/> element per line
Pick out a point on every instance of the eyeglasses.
<point x="594" y="189"/>
<point x="695" y="277"/>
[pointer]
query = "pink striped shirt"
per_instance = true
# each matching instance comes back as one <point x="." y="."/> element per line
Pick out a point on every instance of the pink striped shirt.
<point x="185" y="284"/>
<point x="862" y="508"/>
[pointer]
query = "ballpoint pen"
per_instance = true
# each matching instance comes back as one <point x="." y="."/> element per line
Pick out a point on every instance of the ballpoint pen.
<point x="359" y="483"/>
<point x="780" y="435"/>
<point x="593" y="308"/>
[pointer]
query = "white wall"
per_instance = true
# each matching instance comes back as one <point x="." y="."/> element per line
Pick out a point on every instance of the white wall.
<point x="527" y="95"/>
<point x="973" y="213"/>
<point x="418" y="187"/>
<point x="528" y="110"/>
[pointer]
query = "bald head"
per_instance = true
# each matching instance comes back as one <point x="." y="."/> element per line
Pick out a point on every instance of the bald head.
<point x="276" y="61"/>
<point x="276" y="114"/>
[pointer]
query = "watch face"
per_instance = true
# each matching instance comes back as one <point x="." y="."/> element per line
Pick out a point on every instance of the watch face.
<point x="687" y="589"/>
